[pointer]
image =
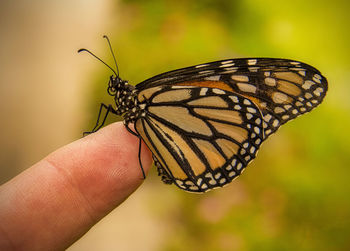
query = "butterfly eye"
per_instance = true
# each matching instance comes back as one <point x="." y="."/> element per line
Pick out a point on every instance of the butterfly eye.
<point x="111" y="88"/>
<point x="111" y="91"/>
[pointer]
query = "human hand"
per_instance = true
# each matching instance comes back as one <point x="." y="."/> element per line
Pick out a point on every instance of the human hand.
<point x="53" y="203"/>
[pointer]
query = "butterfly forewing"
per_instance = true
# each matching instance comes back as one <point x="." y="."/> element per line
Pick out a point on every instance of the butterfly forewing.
<point x="282" y="89"/>
<point x="201" y="137"/>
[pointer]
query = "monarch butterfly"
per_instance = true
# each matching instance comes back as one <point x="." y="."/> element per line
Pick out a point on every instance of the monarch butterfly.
<point x="205" y="123"/>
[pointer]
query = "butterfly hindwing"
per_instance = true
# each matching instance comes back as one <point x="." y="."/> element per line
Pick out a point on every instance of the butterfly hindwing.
<point x="201" y="137"/>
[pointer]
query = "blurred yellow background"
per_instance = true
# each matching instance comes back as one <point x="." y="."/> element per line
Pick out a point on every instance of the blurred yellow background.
<point x="294" y="196"/>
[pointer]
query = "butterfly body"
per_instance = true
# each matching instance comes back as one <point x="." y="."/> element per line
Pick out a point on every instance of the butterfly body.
<point x="205" y="123"/>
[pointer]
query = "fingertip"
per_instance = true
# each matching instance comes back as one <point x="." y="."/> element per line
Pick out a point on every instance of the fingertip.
<point x="108" y="159"/>
<point x="117" y="142"/>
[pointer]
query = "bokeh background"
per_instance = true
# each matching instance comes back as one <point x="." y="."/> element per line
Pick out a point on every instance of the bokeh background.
<point x="294" y="196"/>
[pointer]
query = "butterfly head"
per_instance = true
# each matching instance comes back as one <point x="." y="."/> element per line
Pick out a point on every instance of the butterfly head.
<point x="118" y="87"/>
<point x="115" y="85"/>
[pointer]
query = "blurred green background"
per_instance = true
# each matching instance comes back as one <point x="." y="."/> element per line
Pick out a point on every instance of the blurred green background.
<point x="294" y="196"/>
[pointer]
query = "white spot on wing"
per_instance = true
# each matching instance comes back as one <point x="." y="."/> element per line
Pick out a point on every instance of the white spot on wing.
<point x="227" y="65"/>
<point x="206" y="72"/>
<point x="252" y="150"/>
<point x="308" y="95"/>
<point x="201" y="65"/>
<point x="231" y="174"/>
<point x="318" y="91"/>
<point x="253" y="69"/>
<point x="247" y="102"/>
<point x="302" y="73"/>
<point x="230" y="70"/>
<point x="203" y="91"/>
<point x="279" y="110"/>
<point x="190" y="183"/>
<point x="246" y="87"/>
<point x="223" y="180"/>
<point x="234" y="162"/>
<point x="213" y="78"/>
<point x="279" y="97"/>
<point x="218" y="91"/>
<point x="212" y="182"/>
<point x="252" y="61"/>
<point x="195" y="188"/>
<point x="287" y="107"/>
<point x="270" y="81"/>
<point x="317" y="78"/>
<point x="308" y="84"/>
<point x="234" y="99"/>
<point x="179" y="182"/>
<point x="181" y="87"/>
<point x="267" y="117"/>
<point x="250" y="109"/>
<point x="241" y="78"/>
<point x="256" y="129"/>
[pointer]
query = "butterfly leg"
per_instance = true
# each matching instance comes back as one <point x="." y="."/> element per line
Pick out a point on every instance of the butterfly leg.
<point x="162" y="172"/>
<point x="139" y="155"/>
<point x="129" y="130"/>
<point x="109" y="109"/>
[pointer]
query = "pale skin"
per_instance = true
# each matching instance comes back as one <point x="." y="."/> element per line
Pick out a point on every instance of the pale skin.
<point x="56" y="201"/>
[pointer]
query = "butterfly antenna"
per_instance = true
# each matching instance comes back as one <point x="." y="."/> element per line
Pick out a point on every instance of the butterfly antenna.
<point x="98" y="59"/>
<point x="110" y="47"/>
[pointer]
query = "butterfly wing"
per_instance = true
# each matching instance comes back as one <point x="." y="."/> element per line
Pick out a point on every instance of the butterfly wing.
<point x="201" y="138"/>
<point x="282" y="89"/>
